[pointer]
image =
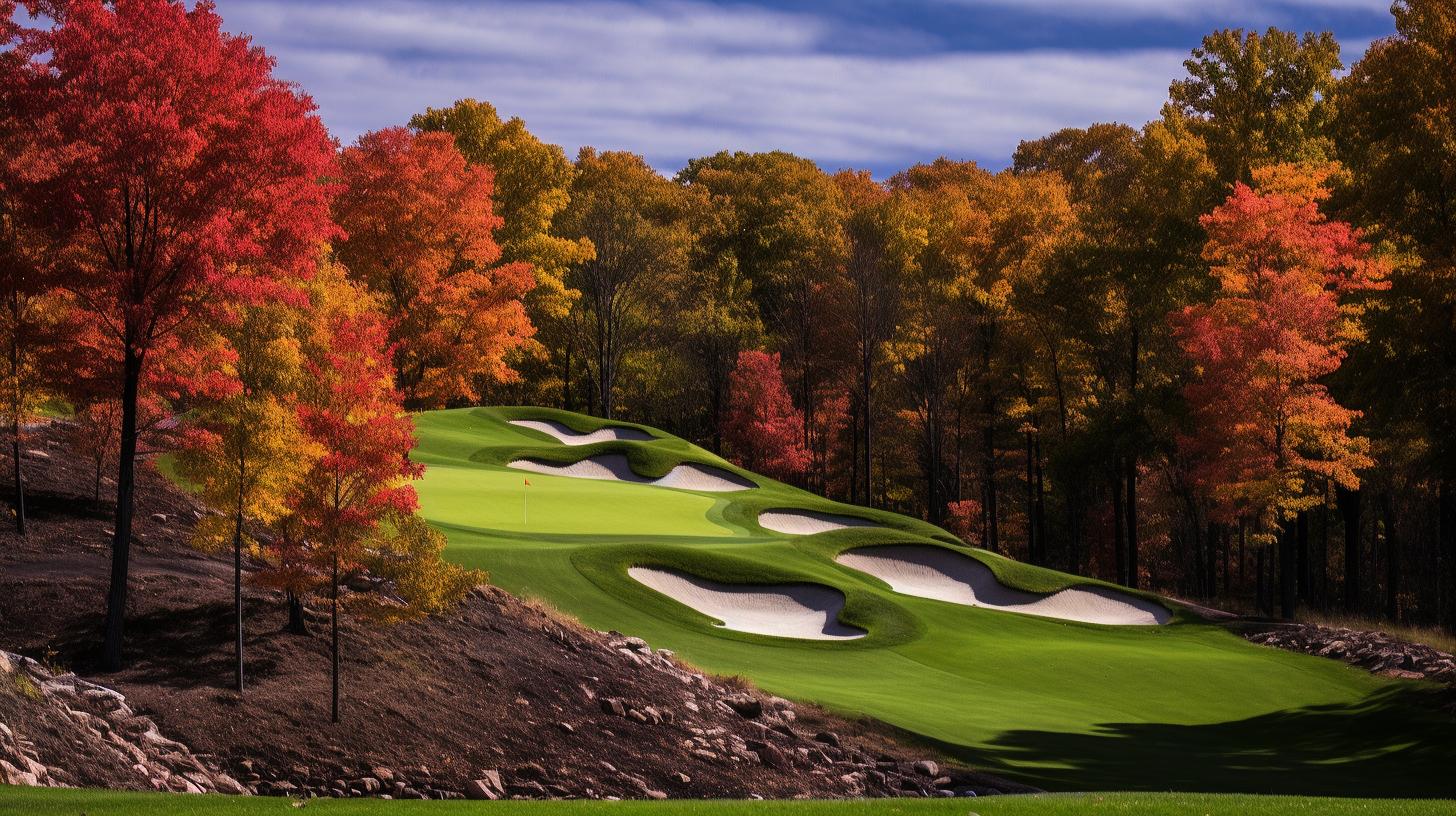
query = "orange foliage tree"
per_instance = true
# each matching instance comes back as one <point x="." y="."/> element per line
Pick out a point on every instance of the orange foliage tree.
<point x="1263" y="424"/>
<point x="419" y="225"/>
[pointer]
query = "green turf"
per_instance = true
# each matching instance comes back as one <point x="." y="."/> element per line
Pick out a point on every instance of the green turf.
<point x="1064" y="706"/>
<point x="63" y="802"/>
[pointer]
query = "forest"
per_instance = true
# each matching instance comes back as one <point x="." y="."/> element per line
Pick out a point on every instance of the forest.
<point x="1212" y="355"/>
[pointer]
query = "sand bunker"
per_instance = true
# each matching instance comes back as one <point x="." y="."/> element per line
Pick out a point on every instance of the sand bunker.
<point x="808" y="522"/>
<point x="933" y="572"/>
<point x="615" y="467"/>
<point x="807" y="611"/>
<point x="567" y="436"/>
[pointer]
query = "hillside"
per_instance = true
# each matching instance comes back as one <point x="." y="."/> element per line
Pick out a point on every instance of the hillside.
<point x="1049" y="697"/>
<point x="498" y="689"/>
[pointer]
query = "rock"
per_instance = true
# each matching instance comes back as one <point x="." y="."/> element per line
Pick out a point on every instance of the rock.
<point x="704" y="755"/>
<point x="613" y="706"/>
<point x="531" y="770"/>
<point x="926" y="767"/>
<point x="682" y="778"/>
<point x="368" y="785"/>
<point x="636" y="644"/>
<point x="37" y="454"/>
<point x="160" y="518"/>
<point x="746" y="705"/>
<point x="828" y="738"/>
<point x="566" y="727"/>
<point x="487" y="787"/>
<point x="768" y="754"/>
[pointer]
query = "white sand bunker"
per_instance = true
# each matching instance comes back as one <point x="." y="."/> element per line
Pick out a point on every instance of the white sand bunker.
<point x="808" y="522"/>
<point x="615" y="467"/>
<point x="933" y="572"/>
<point x="806" y="611"/>
<point x="567" y="436"/>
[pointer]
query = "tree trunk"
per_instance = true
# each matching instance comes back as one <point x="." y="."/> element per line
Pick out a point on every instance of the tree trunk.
<point x="1261" y="593"/>
<point x="1348" y="503"/>
<point x="1119" y="551"/>
<point x="238" y="589"/>
<point x="868" y="405"/>
<point x="1032" y="553"/>
<point x="115" y="625"/>
<point x="1446" y="525"/>
<point x="19" y="476"/>
<point x="334" y="638"/>
<point x="1301" y="553"/>
<point x="1288" y="585"/>
<point x="296" y="623"/>
<point x="1133" y="571"/>
<point x="1392" y="558"/>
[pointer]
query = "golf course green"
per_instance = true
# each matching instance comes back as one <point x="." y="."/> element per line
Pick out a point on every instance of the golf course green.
<point x="1063" y="705"/>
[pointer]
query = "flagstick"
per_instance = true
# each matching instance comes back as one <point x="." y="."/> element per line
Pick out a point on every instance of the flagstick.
<point x="523" y="503"/>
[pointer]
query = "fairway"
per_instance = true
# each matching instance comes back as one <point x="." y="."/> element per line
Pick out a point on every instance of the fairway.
<point x="62" y="802"/>
<point x="1058" y="704"/>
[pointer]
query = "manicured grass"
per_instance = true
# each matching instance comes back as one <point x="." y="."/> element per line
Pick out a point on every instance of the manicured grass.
<point x="63" y="802"/>
<point x="1063" y="706"/>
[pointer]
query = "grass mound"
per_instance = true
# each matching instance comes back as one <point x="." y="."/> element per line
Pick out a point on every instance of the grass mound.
<point x="1059" y="704"/>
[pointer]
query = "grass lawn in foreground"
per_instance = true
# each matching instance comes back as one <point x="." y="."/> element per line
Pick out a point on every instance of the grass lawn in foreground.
<point x="66" y="802"/>
<point x="1064" y="706"/>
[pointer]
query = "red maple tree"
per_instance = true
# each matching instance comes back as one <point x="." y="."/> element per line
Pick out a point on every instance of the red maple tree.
<point x="184" y="171"/>
<point x="419" y="222"/>
<point x="762" y="429"/>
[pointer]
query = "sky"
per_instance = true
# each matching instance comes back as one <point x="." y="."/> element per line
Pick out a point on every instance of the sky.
<point x="877" y="85"/>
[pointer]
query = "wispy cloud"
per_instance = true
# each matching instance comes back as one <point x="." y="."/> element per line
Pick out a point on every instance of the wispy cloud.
<point x="673" y="79"/>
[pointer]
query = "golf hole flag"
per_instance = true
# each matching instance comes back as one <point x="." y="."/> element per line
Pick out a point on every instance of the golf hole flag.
<point x="525" y="483"/>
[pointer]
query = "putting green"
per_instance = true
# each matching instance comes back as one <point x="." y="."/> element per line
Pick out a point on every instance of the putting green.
<point x="1065" y="706"/>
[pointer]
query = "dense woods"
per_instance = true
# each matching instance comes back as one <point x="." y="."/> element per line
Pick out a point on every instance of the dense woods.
<point x="1213" y="355"/>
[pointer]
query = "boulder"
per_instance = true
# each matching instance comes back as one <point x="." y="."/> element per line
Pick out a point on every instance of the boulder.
<point x="746" y="705"/>
<point x="926" y="767"/>
<point x="487" y="787"/>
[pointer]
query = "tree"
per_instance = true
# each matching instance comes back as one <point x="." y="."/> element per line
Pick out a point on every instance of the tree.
<point x="1264" y="428"/>
<point x="185" y="165"/>
<point x="33" y="315"/>
<point x="1396" y="131"/>
<point x="350" y="409"/>
<point x="778" y="219"/>
<point x="245" y="451"/>
<point x="419" y="226"/>
<point x="761" y="427"/>
<point x="1257" y="100"/>
<point x="884" y="241"/>
<point x="638" y="225"/>
<point x="532" y="184"/>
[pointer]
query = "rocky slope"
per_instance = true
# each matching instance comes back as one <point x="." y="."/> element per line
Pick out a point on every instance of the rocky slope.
<point x="1375" y="652"/>
<point x="498" y="698"/>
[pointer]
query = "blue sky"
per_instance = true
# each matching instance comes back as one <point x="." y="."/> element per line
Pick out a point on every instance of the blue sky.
<point x="877" y="84"/>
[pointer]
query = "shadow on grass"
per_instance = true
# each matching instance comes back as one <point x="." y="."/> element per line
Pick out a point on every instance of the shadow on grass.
<point x="1398" y="742"/>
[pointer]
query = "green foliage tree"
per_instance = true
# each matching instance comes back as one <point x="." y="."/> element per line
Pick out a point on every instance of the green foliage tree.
<point x="1258" y="99"/>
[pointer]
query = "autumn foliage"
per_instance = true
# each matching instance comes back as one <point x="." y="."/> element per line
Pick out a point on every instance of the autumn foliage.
<point x="1264" y="425"/>
<point x="419" y="226"/>
<point x="761" y="428"/>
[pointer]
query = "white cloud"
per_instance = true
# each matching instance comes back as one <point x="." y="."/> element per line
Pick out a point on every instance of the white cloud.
<point x="674" y="80"/>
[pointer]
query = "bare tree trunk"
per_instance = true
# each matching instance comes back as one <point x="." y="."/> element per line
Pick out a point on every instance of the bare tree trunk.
<point x="1119" y="552"/>
<point x="1288" y="586"/>
<point x="1133" y="572"/>
<point x="1392" y="558"/>
<point x="114" y="630"/>
<point x="1301" y="553"/>
<point x="19" y="475"/>
<point x="334" y="638"/>
<point x="238" y="588"/>
<point x="1446" y="502"/>
<point x="296" y="623"/>
<point x="1348" y="503"/>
